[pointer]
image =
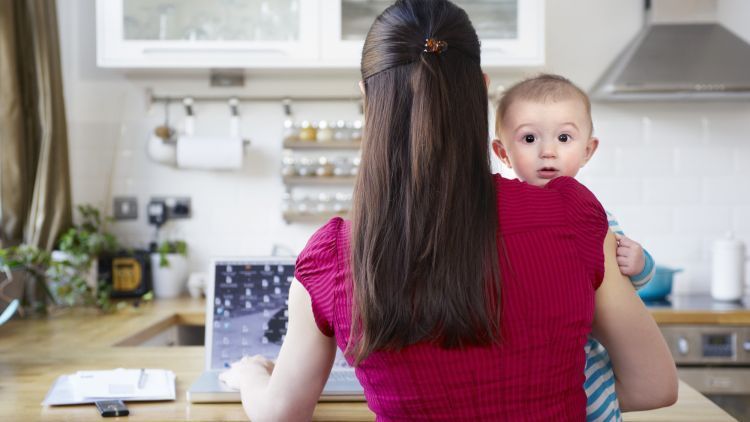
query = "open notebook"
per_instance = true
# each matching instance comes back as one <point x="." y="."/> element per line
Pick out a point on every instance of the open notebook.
<point x="123" y="384"/>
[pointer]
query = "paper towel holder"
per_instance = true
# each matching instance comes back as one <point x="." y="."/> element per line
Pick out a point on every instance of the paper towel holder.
<point x="188" y="103"/>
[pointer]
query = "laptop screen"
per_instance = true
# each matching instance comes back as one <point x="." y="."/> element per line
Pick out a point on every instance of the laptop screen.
<point x="249" y="309"/>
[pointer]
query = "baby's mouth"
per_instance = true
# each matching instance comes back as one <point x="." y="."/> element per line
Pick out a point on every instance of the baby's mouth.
<point x="548" y="172"/>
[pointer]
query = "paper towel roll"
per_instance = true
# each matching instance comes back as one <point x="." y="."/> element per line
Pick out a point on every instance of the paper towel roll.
<point x="161" y="151"/>
<point x="209" y="153"/>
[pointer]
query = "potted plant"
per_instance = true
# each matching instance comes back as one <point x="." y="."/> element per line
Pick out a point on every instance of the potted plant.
<point x="74" y="269"/>
<point x="24" y="270"/>
<point x="169" y="268"/>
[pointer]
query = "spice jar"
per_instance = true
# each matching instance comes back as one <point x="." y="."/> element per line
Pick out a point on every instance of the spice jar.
<point x="341" y="167"/>
<point x="325" y="132"/>
<point x="305" y="167"/>
<point x="324" y="203"/>
<point x="341" y="133"/>
<point x="291" y="131"/>
<point x="355" y="166"/>
<point x="356" y="133"/>
<point x="286" y="202"/>
<point x="325" y="167"/>
<point x="307" y="131"/>
<point x="288" y="165"/>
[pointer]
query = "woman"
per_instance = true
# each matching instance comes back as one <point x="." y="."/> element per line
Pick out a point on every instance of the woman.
<point x="455" y="293"/>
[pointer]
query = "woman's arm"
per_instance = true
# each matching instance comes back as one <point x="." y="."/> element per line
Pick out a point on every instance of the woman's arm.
<point x="645" y="373"/>
<point x="290" y="390"/>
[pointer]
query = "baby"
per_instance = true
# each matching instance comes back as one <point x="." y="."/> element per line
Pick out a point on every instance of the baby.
<point x="544" y="130"/>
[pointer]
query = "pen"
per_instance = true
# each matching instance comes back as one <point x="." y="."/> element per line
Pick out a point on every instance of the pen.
<point x="142" y="379"/>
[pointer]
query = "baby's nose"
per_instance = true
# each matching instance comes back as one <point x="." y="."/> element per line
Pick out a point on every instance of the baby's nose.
<point x="549" y="149"/>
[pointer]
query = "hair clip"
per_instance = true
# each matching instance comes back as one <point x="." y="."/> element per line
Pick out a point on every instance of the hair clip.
<point x="431" y="45"/>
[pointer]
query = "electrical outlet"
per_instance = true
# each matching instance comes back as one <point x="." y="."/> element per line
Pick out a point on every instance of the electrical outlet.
<point x="176" y="206"/>
<point x="125" y="207"/>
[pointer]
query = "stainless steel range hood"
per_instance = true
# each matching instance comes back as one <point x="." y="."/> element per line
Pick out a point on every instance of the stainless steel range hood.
<point x="696" y="61"/>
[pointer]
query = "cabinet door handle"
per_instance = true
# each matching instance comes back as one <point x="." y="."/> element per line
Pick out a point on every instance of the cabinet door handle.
<point x="188" y="49"/>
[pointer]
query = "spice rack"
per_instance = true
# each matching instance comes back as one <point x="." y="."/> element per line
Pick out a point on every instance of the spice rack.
<point x="320" y="162"/>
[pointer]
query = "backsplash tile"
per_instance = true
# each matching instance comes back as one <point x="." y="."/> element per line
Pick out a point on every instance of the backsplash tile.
<point x="704" y="160"/>
<point x="645" y="161"/>
<point x="706" y="220"/>
<point x="672" y="191"/>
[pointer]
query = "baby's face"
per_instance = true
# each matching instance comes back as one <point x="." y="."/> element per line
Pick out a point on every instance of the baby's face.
<point x="541" y="141"/>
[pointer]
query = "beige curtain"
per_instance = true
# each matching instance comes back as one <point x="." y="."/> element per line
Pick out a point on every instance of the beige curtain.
<point x="35" y="204"/>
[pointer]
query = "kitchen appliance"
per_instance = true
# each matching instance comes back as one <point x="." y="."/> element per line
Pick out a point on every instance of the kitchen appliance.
<point x="713" y="359"/>
<point x="680" y="54"/>
<point x="128" y="274"/>
<point x="728" y="269"/>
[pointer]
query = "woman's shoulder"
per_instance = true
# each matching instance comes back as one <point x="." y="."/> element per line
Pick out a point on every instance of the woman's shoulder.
<point x="317" y="267"/>
<point x="323" y="245"/>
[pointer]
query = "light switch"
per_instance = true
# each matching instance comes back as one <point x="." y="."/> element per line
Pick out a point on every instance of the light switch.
<point x="125" y="208"/>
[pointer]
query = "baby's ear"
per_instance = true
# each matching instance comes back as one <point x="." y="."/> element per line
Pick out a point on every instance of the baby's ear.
<point x="591" y="146"/>
<point x="500" y="152"/>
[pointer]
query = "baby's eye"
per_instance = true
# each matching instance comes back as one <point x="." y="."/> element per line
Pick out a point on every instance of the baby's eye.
<point x="563" y="137"/>
<point x="529" y="139"/>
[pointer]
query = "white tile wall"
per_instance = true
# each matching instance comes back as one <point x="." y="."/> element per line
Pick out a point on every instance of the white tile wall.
<point x="675" y="177"/>
<point x="675" y="174"/>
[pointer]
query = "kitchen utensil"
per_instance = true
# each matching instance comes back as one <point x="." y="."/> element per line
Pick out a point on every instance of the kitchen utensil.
<point x="164" y="131"/>
<point x="660" y="286"/>
<point x="728" y="269"/>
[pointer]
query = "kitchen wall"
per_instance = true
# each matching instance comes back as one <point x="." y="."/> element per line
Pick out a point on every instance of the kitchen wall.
<point x="672" y="172"/>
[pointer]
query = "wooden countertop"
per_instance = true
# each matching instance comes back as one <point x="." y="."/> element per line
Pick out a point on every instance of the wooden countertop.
<point x="668" y="316"/>
<point x="34" y="352"/>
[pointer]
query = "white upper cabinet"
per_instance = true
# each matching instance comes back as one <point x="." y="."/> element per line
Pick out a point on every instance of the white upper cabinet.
<point x="288" y="33"/>
<point x="511" y="31"/>
<point x="206" y="33"/>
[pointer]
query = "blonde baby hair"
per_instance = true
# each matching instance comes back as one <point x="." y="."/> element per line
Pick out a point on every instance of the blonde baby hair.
<point x="545" y="87"/>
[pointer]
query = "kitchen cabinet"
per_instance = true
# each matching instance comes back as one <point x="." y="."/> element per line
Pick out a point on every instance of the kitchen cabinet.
<point x="201" y="34"/>
<point x="287" y="34"/>
<point x="511" y="31"/>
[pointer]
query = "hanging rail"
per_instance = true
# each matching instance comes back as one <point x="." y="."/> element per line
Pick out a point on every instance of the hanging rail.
<point x="254" y="98"/>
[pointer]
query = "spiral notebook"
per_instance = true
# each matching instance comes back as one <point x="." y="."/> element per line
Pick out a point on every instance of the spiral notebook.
<point x="120" y="383"/>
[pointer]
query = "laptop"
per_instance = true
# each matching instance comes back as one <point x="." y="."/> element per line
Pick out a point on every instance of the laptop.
<point x="246" y="314"/>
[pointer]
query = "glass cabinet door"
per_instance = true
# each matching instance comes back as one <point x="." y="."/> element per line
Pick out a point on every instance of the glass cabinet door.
<point x="206" y="33"/>
<point x="511" y="31"/>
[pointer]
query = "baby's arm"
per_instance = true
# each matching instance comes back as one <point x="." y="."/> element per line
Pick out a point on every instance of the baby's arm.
<point x="634" y="261"/>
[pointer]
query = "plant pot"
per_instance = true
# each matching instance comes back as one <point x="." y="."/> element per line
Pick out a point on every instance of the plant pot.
<point x="170" y="281"/>
<point x="13" y="289"/>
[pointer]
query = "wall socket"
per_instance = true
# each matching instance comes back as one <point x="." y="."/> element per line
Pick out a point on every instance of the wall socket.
<point x="125" y="207"/>
<point x="176" y="206"/>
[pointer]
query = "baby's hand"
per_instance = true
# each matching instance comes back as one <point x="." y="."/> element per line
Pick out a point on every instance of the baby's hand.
<point x="630" y="257"/>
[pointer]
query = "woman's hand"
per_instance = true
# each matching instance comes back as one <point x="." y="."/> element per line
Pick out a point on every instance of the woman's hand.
<point x="288" y="389"/>
<point x="247" y="370"/>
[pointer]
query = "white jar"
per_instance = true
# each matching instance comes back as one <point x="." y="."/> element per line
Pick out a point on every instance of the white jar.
<point x="728" y="269"/>
<point x="169" y="282"/>
<point x="325" y="132"/>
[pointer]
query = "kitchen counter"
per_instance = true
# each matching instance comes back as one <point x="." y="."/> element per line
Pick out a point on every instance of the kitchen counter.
<point x="700" y="309"/>
<point x="34" y="352"/>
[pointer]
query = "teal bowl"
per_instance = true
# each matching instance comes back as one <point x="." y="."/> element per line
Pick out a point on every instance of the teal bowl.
<point x="660" y="286"/>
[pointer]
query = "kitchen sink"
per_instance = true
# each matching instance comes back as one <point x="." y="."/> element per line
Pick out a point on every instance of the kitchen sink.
<point x="175" y="331"/>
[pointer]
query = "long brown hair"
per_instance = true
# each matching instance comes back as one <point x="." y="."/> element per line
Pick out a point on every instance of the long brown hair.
<point x="424" y="252"/>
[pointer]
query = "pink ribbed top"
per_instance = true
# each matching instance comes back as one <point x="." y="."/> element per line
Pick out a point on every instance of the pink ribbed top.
<point x="553" y="237"/>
